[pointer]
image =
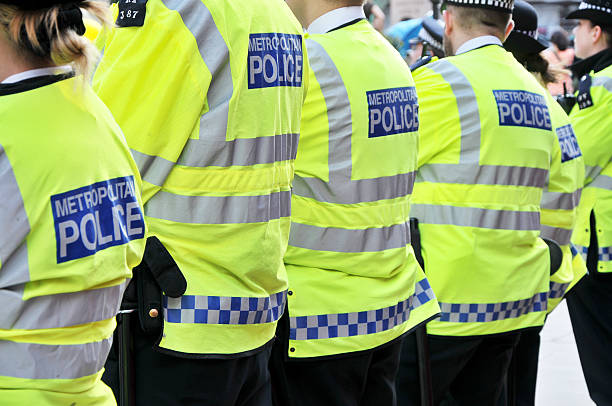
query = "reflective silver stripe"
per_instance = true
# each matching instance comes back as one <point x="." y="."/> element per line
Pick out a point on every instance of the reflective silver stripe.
<point x="560" y="201"/>
<point x="476" y="217"/>
<point x="244" y="151"/>
<point x="592" y="171"/>
<point x="341" y="325"/>
<point x="356" y="191"/>
<point x="602" y="182"/>
<point x="561" y="236"/>
<point x="61" y="310"/>
<point x="467" y="106"/>
<point x="153" y="169"/>
<point x="603" y="81"/>
<point x="14" y="227"/>
<point x="219" y="209"/>
<point x="38" y="361"/>
<point x="349" y="240"/>
<point x="341" y="189"/>
<point x="475" y="174"/>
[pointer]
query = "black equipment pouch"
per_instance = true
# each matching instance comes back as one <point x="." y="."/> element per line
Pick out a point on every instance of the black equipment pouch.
<point x="556" y="255"/>
<point x="157" y="273"/>
<point x="566" y="100"/>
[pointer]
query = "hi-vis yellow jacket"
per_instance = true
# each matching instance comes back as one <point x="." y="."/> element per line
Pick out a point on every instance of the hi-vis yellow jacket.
<point x="353" y="278"/>
<point x="487" y="151"/>
<point x="592" y="120"/>
<point x="209" y="95"/>
<point x="72" y="228"/>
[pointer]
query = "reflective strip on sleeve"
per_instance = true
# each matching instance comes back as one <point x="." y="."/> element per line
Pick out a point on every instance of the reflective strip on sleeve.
<point x="557" y="290"/>
<point x="592" y="171"/>
<point x="60" y="310"/>
<point x="219" y="209"/>
<point x="153" y="169"/>
<point x="602" y="182"/>
<point x="561" y="236"/>
<point x="476" y="217"/>
<point x="38" y="361"/>
<point x="349" y="240"/>
<point x="359" y="323"/>
<point x="341" y="189"/>
<point x="561" y="201"/>
<point x="488" y="312"/>
<point x="224" y="310"/>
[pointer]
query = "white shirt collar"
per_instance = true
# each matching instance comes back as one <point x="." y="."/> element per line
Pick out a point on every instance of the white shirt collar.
<point x="335" y="19"/>
<point x="477" y="43"/>
<point x="33" y="73"/>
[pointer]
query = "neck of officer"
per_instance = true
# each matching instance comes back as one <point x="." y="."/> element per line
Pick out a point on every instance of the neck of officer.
<point x="13" y="62"/>
<point x="313" y="9"/>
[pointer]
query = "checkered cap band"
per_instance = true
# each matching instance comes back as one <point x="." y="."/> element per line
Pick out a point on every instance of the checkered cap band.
<point x="359" y="323"/>
<point x="588" y="6"/>
<point x="503" y="5"/>
<point x="487" y="312"/>
<point x="425" y="36"/>
<point x="224" y="310"/>
<point x="533" y="34"/>
<point x="557" y="290"/>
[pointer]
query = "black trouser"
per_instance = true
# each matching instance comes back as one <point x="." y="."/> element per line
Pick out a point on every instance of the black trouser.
<point x="469" y="370"/>
<point x="165" y="380"/>
<point x="520" y="388"/>
<point x="365" y="378"/>
<point x="590" y="308"/>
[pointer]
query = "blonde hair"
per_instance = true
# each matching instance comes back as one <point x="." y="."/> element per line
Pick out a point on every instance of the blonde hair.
<point x="26" y="28"/>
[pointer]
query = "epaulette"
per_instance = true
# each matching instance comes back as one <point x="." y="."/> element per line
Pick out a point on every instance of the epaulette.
<point x="584" y="92"/>
<point x="422" y="62"/>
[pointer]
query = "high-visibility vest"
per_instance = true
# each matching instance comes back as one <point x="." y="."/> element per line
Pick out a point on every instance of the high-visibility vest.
<point x="354" y="282"/>
<point x="486" y="150"/>
<point x="560" y="201"/>
<point x="72" y="227"/>
<point x="209" y="96"/>
<point x="592" y="121"/>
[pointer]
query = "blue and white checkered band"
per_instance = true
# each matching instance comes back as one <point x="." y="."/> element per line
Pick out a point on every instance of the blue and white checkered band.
<point x="499" y="4"/>
<point x="425" y="36"/>
<point x="359" y="323"/>
<point x="584" y="5"/>
<point x="557" y="290"/>
<point x="533" y="34"/>
<point x="604" y="254"/>
<point x="487" y="312"/>
<point x="224" y="310"/>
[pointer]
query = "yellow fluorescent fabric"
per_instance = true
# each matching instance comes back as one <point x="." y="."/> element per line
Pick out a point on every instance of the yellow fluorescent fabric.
<point x="354" y="283"/>
<point x="72" y="229"/>
<point x="486" y="151"/>
<point x="592" y="125"/>
<point x="209" y="96"/>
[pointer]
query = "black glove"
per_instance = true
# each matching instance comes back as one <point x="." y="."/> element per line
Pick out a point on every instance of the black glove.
<point x="156" y="273"/>
<point x="556" y="255"/>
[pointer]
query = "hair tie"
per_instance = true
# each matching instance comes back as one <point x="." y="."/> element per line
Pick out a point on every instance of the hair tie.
<point x="71" y="17"/>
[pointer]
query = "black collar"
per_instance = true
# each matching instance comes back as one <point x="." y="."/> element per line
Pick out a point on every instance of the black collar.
<point x="596" y="63"/>
<point x="355" y="21"/>
<point x="32" y="83"/>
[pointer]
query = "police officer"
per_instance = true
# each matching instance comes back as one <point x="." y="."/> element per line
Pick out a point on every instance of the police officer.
<point x="430" y="37"/>
<point x="590" y="301"/>
<point x="355" y="288"/>
<point x="487" y="150"/>
<point x="559" y="202"/>
<point x="209" y="95"/>
<point x="71" y="224"/>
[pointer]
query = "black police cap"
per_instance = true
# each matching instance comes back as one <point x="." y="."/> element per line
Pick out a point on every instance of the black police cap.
<point x="38" y="4"/>
<point x="598" y="11"/>
<point x="524" y="37"/>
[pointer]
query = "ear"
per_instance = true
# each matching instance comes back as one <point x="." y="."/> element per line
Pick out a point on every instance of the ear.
<point x="509" y="29"/>
<point x="448" y="22"/>
<point x="596" y="33"/>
